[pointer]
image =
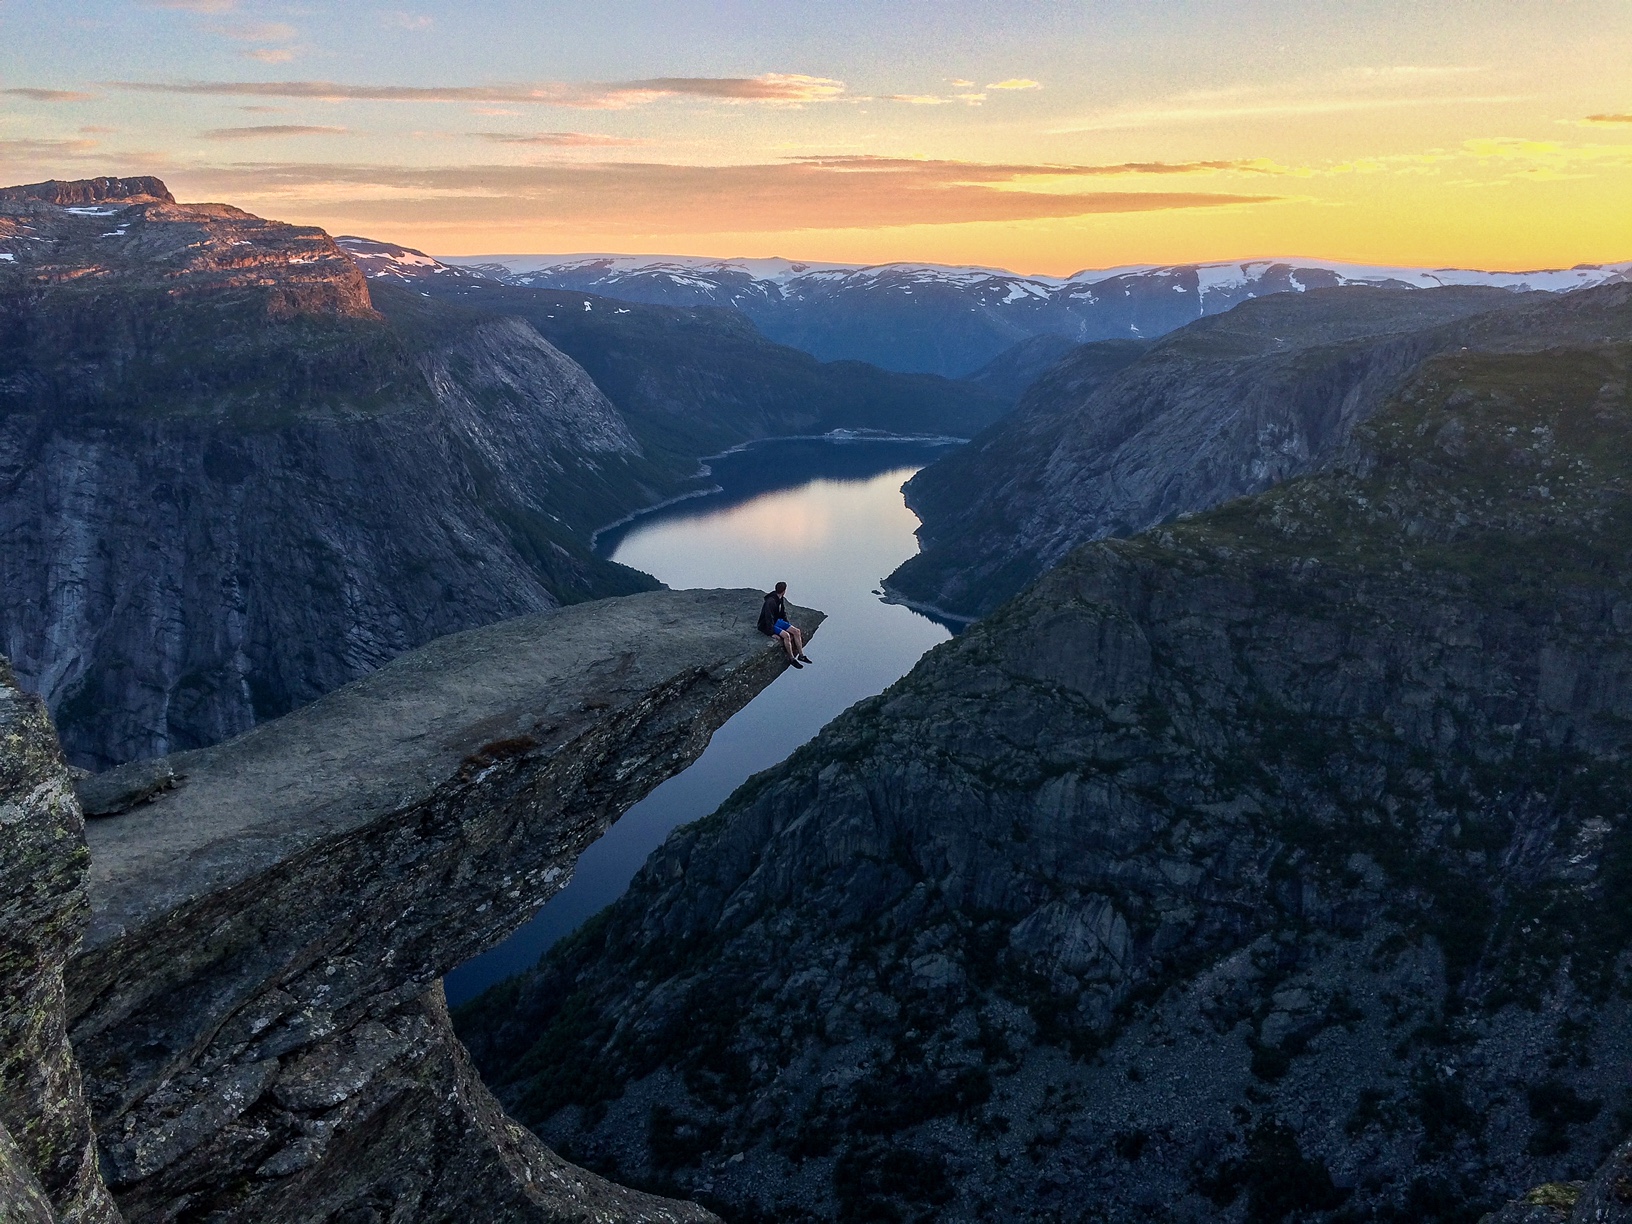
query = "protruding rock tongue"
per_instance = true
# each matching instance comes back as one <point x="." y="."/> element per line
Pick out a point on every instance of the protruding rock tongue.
<point x="143" y="189"/>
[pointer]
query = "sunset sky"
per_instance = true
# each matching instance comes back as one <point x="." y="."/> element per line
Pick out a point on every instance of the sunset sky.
<point x="1039" y="135"/>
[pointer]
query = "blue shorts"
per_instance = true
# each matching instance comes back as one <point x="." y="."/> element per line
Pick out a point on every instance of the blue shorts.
<point x="781" y="625"/>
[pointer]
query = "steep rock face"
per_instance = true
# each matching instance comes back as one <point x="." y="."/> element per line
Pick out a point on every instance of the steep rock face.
<point x="48" y="1170"/>
<point x="172" y="581"/>
<point x="1013" y="371"/>
<point x="229" y="485"/>
<point x="258" y="1005"/>
<point x="1269" y="865"/>
<point x="701" y="380"/>
<point x="1230" y="405"/>
<point x="141" y="189"/>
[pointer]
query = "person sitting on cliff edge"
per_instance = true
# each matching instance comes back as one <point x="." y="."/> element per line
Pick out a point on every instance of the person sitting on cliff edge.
<point x="773" y="622"/>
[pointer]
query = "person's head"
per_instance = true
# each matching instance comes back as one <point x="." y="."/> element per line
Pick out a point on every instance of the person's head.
<point x="781" y="588"/>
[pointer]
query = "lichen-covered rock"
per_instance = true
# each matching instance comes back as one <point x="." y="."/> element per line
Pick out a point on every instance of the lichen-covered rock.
<point x="1606" y="1199"/>
<point x="22" y="1199"/>
<point x="258" y="1005"/>
<point x="47" y="1153"/>
<point x="1272" y="864"/>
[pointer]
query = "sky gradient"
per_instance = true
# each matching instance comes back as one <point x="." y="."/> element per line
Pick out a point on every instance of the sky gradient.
<point x="1044" y="136"/>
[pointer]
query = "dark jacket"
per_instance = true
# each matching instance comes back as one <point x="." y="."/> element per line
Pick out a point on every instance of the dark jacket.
<point x="774" y="608"/>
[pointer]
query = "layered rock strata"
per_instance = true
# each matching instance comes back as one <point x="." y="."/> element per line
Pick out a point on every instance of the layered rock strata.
<point x="257" y="1005"/>
<point x="1269" y="865"/>
<point x="48" y="1168"/>
<point x="131" y="232"/>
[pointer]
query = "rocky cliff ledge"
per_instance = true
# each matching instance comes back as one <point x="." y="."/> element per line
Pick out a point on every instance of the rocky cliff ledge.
<point x="257" y="1006"/>
<point x="47" y="1156"/>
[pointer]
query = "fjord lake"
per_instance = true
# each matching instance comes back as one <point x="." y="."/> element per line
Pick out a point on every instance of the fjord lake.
<point x="826" y="516"/>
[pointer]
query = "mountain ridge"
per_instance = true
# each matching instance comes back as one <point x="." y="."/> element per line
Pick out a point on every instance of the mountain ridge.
<point x="1226" y="406"/>
<point x="951" y="320"/>
<point x="1259" y="866"/>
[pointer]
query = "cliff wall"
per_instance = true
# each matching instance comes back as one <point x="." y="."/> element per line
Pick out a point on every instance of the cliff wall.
<point x="1267" y="865"/>
<point x="257" y="1005"/>
<point x="1227" y="406"/>
<point x="48" y="1166"/>
<point x="228" y="484"/>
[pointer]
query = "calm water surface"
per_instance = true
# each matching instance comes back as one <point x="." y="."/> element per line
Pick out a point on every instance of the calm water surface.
<point x="826" y="517"/>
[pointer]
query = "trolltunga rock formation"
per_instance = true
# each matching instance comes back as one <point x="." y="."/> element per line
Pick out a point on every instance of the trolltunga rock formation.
<point x="258" y="1006"/>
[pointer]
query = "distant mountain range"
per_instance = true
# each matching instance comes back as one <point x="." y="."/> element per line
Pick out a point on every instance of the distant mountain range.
<point x="943" y="320"/>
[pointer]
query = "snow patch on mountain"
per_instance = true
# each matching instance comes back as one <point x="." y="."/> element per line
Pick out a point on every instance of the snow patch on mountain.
<point x="936" y="318"/>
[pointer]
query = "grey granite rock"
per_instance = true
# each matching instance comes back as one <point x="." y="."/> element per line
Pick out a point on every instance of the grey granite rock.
<point x="47" y="1154"/>
<point x="258" y="1006"/>
<point x="1607" y="1198"/>
<point x="22" y="1198"/>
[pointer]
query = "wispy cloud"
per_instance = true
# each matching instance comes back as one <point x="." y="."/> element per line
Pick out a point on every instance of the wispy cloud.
<point x="1609" y="118"/>
<point x="23" y="147"/>
<point x="194" y="6"/>
<point x="264" y="130"/>
<point x="47" y="95"/>
<point x="1544" y="160"/>
<point x="1016" y="83"/>
<point x="272" y="55"/>
<point x="1180" y="115"/>
<point x="645" y="198"/>
<point x="952" y="171"/>
<point x="258" y="31"/>
<point x="772" y="87"/>
<point x="406" y="21"/>
<point x="560" y="140"/>
<point x="1352" y="90"/>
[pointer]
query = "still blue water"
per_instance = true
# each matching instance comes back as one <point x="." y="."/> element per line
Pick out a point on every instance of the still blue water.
<point x="827" y="518"/>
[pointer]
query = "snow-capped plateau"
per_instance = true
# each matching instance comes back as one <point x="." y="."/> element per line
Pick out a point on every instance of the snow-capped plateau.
<point x="942" y="319"/>
<point x="387" y="260"/>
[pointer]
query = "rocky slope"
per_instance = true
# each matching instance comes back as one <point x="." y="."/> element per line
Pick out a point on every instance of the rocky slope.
<point x="1230" y="405"/>
<point x="229" y="483"/>
<point x="258" y="1006"/>
<point x="1268" y="865"/>
<point x="695" y="380"/>
<point x="48" y="1168"/>
<point x="1013" y="371"/>
<point x="952" y="320"/>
